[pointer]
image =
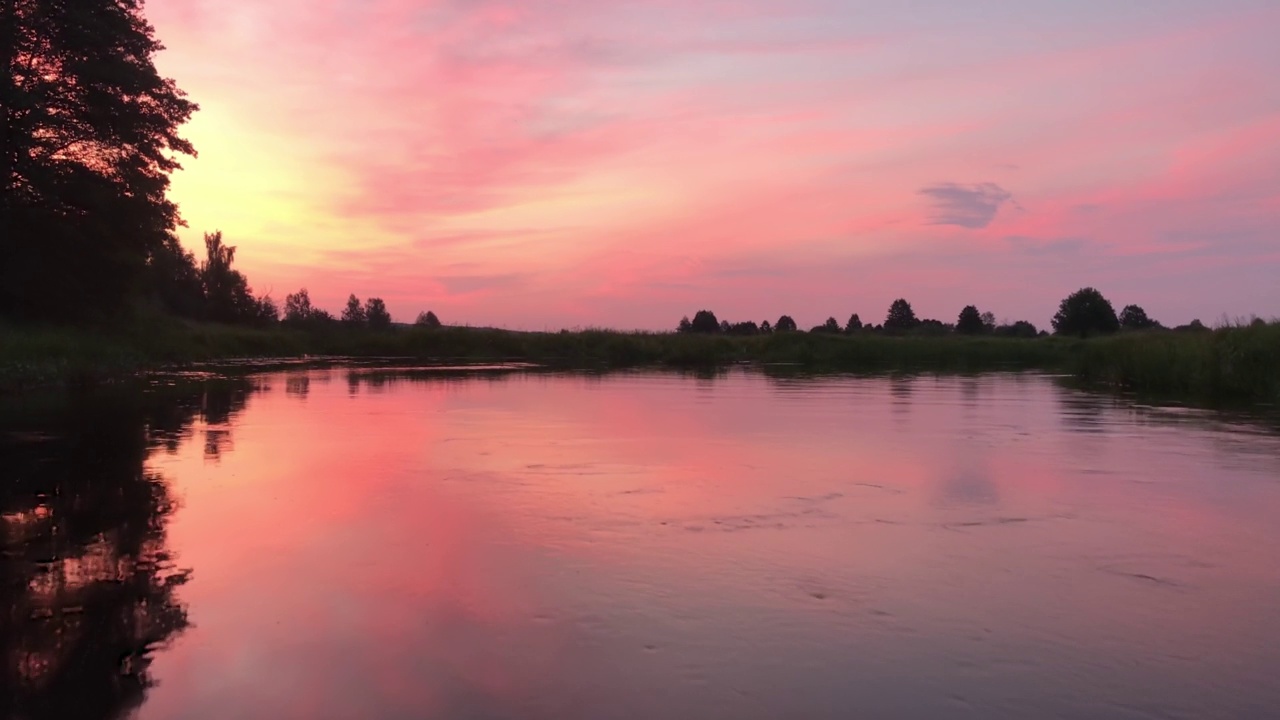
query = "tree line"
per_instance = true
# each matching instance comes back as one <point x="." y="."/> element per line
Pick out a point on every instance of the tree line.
<point x="1084" y="313"/>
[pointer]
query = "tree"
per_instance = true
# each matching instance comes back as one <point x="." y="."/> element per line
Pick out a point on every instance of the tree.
<point x="297" y="307"/>
<point x="353" y="313"/>
<point x="427" y="319"/>
<point x="1019" y="329"/>
<point x="989" y="321"/>
<point x="765" y="328"/>
<point x="375" y="312"/>
<point x="685" y="326"/>
<point x="970" y="321"/>
<point x="829" y="327"/>
<point x="725" y="326"/>
<point x="854" y="324"/>
<point x="1085" y="312"/>
<point x="901" y="316"/>
<point x="704" y="321"/>
<point x="227" y="295"/>
<point x="1133" y="317"/>
<point x="88" y="138"/>
<point x="785" y="324"/>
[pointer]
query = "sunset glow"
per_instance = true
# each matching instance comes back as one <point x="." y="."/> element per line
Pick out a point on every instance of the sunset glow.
<point x="541" y="164"/>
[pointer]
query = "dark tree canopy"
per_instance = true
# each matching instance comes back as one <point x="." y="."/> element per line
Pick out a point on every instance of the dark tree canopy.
<point x="427" y="319"/>
<point x="1133" y="317"/>
<point x="1085" y="312"/>
<point x="704" y="321"/>
<point x="766" y="328"/>
<point x="785" y="324"/>
<point x="830" y="327"/>
<point x="901" y="316"/>
<point x="353" y="313"/>
<point x="970" y="321"/>
<point x="88" y="137"/>
<point x="1019" y="329"/>
<point x="375" y="313"/>
<point x="854" y="324"/>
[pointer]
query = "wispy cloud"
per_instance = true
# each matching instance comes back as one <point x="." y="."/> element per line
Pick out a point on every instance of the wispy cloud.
<point x="966" y="206"/>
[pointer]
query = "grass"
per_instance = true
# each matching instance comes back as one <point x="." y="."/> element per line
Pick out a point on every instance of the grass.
<point x="1241" y="363"/>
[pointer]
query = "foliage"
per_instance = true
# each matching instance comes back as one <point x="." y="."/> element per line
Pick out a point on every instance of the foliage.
<point x="704" y="321"/>
<point x="765" y="327"/>
<point x="1019" y="329"/>
<point x="88" y="138"/>
<point x="901" y="316"/>
<point x="1133" y="317"/>
<point x="427" y="319"/>
<point x="830" y="327"/>
<point x="854" y="325"/>
<point x="970" y="321"/>
<point x="1085" y="312"/>
<point x="785" y="324"/>
<point x="375" y="313"/>
<point x="353" y="313"/>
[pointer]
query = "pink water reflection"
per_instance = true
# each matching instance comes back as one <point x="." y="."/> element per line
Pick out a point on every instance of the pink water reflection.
<point x="654" y="545"/>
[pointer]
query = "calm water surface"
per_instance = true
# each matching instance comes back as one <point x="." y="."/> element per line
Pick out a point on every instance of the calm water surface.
<point x="362" y="544"/>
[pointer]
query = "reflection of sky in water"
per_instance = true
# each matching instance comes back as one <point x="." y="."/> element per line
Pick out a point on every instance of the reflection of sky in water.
<point x="641" y="545"/>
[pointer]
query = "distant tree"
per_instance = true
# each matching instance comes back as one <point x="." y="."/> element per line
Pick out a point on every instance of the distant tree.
<point x="268" y="312"/>
<point x="765" y="328"/>
<point x="375" y="313"/>
<point x="830" y="327"/>
<point x="173" y="280"/>
<point x="1133" y="317"/>
<point x="989" y="320"/>
<point x="1193" y="326"/>
<point x="88" y="137"/>
<point x="901" y="316"/>
<point x="854" y="324"/>
<point x="746" y="327"/>
<point x="353" y="313"/>
<point x="427" y="319"/>
<point x="704" y="321"/>
<point x="685" y="326"/>
<point x="725" y="326"/>
<point x="970" y="321"/>
<point x="297" y="307"/>
<point x="1085" y="312"/>
<point x="1019" y="329"/>
<point x="930" y="326"/>
<point x="785" y="324"/>
<point x="227" y="296"/>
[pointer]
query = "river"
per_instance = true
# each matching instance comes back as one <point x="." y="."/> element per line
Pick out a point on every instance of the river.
<point x="398" y="543"/>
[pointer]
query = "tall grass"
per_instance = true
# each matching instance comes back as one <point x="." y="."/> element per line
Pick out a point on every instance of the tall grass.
<point x="1231" y="362"/>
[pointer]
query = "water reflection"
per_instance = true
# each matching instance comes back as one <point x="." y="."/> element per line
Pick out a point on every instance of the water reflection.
<point x="87" y="582"/>
<point x="454" y="543"/>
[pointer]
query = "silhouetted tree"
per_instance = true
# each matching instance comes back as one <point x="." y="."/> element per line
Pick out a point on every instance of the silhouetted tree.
<point x="830" y="327"/>
<point x="227" y="295"/>
<point x="704" y="321"/>
<point x="785" y="324"/>
<point x="1019" y="329"/>
<point x="88" y="137"/>
<point x="747" y="327"/>
<point x="1193" y="326"/>
<point x="173" y="280"/>
<point x="375" y="312"/>
<point x="901" y="316"/>
<point x="725" y="326"/>
<point x="353" y="313"/>
<point x="1133" y="317"/>
<point x="427" y="319"/>
<point x="989" y="321"/>
<point x="297" y="307"/>
<point x="854" y="324"/>
<point x="930" y="326"/>
<point x="765" y="328"/>
<point x="685" y="326"/>
<point x="970" y="321"/>
<point x="1085" y="312"/>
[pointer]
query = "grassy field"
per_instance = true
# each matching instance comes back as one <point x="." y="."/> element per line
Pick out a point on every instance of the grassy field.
<point x="1238" y="363"/>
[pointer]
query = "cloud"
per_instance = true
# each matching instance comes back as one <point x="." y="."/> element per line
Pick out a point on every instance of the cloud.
<point x="966" y="206"/>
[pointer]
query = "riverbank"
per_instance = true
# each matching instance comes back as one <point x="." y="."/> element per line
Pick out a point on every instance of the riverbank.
<point x="1234" y="363"/>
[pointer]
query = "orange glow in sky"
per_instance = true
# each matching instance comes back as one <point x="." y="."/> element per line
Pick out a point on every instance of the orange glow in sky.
<point x="545" y="164"/>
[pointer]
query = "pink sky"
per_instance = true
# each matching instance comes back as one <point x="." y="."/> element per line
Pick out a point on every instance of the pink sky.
<point x="562" y="163"/>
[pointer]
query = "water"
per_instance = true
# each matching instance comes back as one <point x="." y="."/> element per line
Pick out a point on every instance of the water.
<point x="341" y="544"/>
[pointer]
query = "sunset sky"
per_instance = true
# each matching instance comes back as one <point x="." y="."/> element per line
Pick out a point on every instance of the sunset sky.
<point x="562" y="163"/>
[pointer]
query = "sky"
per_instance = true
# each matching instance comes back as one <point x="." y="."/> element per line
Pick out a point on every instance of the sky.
<point x="622" y="163"/>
